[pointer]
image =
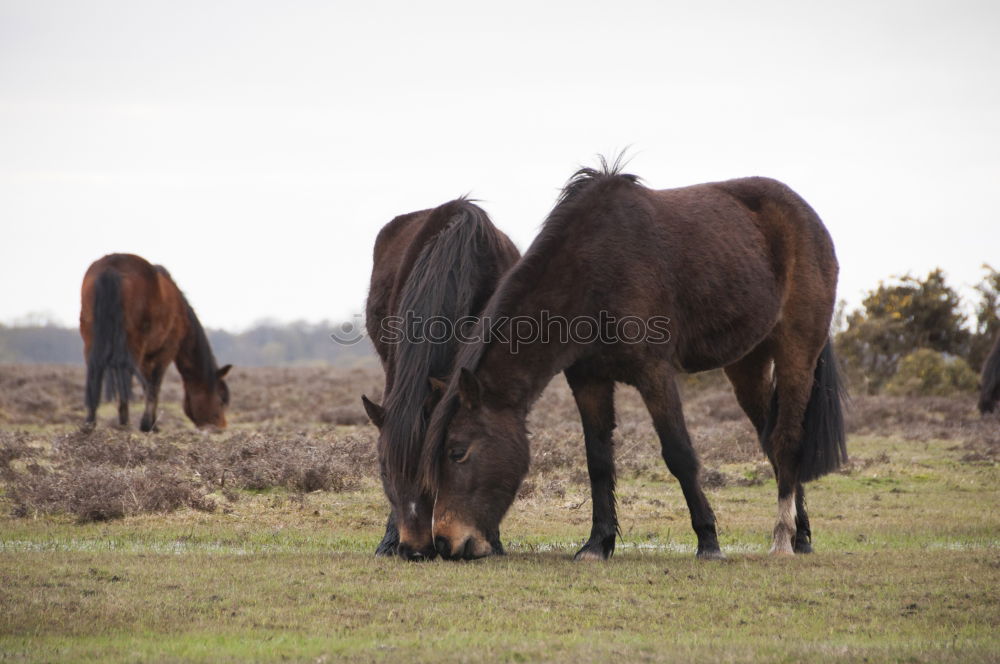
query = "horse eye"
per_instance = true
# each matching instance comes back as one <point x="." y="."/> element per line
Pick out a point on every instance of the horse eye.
<point x="458" y="454"/>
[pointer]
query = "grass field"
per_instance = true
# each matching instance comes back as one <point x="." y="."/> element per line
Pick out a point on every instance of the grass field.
<point x="255" y="543"/>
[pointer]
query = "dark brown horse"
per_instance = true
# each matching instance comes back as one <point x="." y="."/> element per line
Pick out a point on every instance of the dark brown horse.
<point x="745" y="272"/>
<point x="989" y="389"/>
<point x="135" y="321"/>
<point x="431" y="269"/>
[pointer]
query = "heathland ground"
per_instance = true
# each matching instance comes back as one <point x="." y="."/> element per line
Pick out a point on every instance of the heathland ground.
<point x="255" y="543"/>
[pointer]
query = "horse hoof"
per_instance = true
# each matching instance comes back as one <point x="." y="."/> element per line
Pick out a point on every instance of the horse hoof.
<point x="714" y="554"/>
<point x="595" y="551"/>
<point x="803" y="547"/>
<point x="586" y="554"/>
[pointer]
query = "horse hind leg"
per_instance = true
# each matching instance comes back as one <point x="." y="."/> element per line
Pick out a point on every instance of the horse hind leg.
<point x="92" y="396"/>
<point x="753" y="384"/>
<point x="782" y="440"/>
<point x="803" y="534"/>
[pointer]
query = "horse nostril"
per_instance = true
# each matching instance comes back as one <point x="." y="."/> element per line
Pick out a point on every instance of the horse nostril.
<point x="443" y="546"/>
<point x="407" y="552"/>
<point x="467" y="550"/>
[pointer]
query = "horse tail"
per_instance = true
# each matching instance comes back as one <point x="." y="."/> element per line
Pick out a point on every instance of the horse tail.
<point x="989" y="392"/>
<point x="824" y="438"/>
<point x="109" y="352"/>
<point x="451" y="277"/>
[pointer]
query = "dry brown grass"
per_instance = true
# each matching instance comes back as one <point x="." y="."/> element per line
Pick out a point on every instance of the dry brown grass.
<point x="36" y="395"/>
<point x="111" y="473"/>
<point x="929" y="418"/>
<point x="283" y="435"/>
<point x="304" y="430"/>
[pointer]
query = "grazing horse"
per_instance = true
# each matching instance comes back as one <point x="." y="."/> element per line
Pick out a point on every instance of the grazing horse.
<point x="431" y="269"/>
<point x="628" y="284"/>
<point x="989" y="394"/>
<point x="135" y="321"/>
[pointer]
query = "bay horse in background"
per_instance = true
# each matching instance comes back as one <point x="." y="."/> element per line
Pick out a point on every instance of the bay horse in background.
<point x="134" y="322"/>
<point x="442" y="265"/>
<point x="745" y="273"/>
<point x="989" y="389"/>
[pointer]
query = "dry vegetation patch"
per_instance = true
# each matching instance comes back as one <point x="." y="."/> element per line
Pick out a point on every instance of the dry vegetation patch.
<point x="111" y="473"/>
<point x="303" y="430"/>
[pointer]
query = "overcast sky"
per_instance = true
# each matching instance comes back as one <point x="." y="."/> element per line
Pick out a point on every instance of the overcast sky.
<point x="255" y="149"/>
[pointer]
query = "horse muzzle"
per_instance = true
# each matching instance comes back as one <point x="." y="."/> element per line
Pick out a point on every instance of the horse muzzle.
<point x="468" y="548"/>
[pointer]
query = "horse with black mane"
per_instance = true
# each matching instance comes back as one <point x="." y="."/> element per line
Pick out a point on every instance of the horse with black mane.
<point x="989" y="389"/>
<point x="134" y="322"/>
<point x="432" y="269"/>
<point x="745" y="272"/>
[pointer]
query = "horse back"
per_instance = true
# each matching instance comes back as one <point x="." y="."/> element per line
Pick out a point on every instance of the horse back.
<point x="150" y="303"/>
<point x="388" y="258"/>
<point x="399" y="245"/>
<point x="736" y="255"/>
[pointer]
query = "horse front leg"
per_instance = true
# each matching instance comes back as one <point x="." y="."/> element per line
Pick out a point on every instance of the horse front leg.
<point x="154" y="378"/>
<point x="390" y="541"/>
<point x="595" y="401"/>
<point x="123" y="410"/>
<point x="659" y="392"/>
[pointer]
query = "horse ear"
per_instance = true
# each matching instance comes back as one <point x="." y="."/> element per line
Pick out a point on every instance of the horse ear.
<point x="221" y="373"/>
<point x="470" y="390"/>
<point x="437" y="391"/>
<point x="375" y="412"/>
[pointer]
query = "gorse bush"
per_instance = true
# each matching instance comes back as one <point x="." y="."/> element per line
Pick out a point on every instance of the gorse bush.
<point x="909" y="314"/>
<point x="987" y="318"/>
<point x="897" y="318"/>
<point x="928" y="373"/>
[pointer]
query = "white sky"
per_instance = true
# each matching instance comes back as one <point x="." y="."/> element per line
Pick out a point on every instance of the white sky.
<point x="255" y="149"/>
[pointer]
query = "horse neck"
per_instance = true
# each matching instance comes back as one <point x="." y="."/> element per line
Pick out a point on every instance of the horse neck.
<point x="192" y="358"/>
<point x="519" y="378"/>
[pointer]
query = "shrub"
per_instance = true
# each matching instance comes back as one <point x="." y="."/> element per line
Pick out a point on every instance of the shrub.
<point x="896" y="318"/>
<point x="925" y="372"/>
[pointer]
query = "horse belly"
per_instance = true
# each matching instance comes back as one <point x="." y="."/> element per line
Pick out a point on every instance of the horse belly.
<point x="725" y="321"/>
<point x="722" y="349"/>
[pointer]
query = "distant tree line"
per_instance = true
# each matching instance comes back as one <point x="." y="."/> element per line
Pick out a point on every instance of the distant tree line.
<point x="910" y="336"/>
<point x="265" y="344"/>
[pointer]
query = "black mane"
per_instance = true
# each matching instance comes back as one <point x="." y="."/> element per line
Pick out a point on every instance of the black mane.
<point x="585" y="176"/>
<point x="523" y="275"/>
<point x="445" y="282"/>
<point x="206" y="366"/>
<point x="200" y="360"/>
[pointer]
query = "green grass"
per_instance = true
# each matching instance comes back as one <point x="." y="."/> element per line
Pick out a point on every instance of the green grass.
<point x="907" y="569"/>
